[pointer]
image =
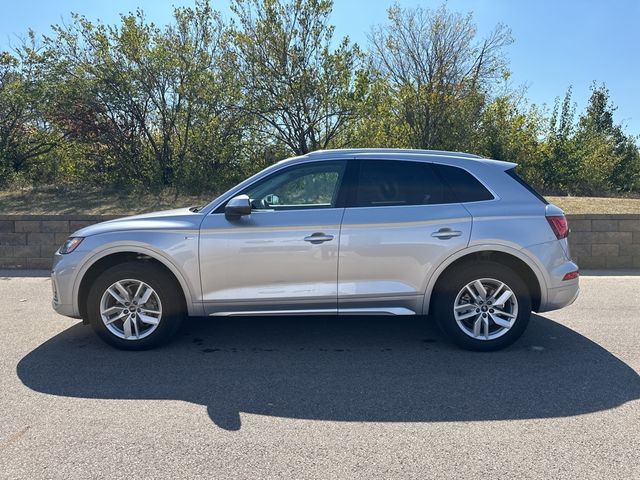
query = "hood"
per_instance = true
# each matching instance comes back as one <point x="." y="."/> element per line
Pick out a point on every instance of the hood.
<point x="178" y="219"/>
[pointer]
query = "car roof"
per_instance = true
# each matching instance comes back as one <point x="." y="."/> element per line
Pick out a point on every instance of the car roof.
<point x="400" y="153"/>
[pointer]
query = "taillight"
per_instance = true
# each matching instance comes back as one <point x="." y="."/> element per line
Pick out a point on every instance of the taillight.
<point x="571" y="275"/>
<point x="559" y="225"/>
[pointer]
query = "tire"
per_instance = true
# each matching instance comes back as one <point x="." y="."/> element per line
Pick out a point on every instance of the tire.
<point x="487" y="335"/>
<point x="162" y="311"/>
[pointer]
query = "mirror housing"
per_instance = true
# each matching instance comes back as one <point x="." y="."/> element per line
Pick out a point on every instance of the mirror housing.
<point x="237" y="207"/>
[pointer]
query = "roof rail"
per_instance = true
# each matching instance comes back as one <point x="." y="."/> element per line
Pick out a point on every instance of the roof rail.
<point x="351" y="151"/>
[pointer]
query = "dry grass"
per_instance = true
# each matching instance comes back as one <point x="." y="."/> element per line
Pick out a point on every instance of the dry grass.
<point x="576" y="205"/>
<point x="94" y="202"/>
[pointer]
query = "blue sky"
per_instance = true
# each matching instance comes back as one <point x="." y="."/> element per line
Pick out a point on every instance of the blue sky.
<point x="557" y="43"/>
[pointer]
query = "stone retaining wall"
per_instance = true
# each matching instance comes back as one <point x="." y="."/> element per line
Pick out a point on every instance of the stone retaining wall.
<point x="605" y="241"/>
<point x="29" y="241"/>
<point x="597" y="241"/>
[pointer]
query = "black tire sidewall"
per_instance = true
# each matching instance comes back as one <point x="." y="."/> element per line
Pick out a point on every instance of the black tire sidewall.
<point x="159" y="280"/>
<point x="455" y="280"/>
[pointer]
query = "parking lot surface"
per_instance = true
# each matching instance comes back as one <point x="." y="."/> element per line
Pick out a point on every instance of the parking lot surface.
<point x="301" y="398"/>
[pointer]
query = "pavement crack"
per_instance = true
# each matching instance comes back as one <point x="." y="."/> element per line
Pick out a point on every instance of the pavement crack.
<point x="14" y="438"/>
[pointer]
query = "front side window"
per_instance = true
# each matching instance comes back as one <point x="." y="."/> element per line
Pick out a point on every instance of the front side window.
<point x="397" y="183"/>
<point x="298" y="187"/>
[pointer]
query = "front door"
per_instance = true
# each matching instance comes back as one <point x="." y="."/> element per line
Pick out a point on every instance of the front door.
<point x="283" y="257"/>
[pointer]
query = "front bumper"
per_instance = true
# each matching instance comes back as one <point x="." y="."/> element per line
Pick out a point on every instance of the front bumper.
<point x="62" y="280"/>
<point x="64" y="309"/>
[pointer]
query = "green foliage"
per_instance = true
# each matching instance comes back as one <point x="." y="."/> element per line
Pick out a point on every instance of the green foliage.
<point x="201" y="103"/>
<point x="511" y="133"/>
<point x="376" y="124"/>
<point x="26" y="137"/>
<point x="610" y="156"/>
<point x="299" y="88"/>
<point x="560" y="166"/>
<point x="155" y="106"/>
<point x="438" y="73"/>
<point x="592" y="156"/>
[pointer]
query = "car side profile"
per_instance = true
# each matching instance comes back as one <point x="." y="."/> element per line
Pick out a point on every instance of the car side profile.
<point x="453" y="236"/>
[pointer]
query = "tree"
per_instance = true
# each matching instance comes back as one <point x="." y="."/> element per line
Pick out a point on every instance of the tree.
<point x="25" y="132"/>
<point x="375" y="125"/>
<point x="142" y="94"/>
<point x="438" y="70"/>
<point x="609" y="156"/>
<point x="198" y="104"/>
<point x="300" y="90"/>
<point x="560" y="165"/>
<point x="512" y="133"/>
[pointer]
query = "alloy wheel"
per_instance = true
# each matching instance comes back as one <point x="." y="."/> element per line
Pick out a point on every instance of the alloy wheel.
<point x="485" y="309"/>
<point x="130" y="309"/>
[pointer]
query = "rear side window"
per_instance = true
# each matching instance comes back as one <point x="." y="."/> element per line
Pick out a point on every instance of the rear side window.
<point x="512" y="173"/>
<point x="464" y="186"/>
<point x="397" y="183"/>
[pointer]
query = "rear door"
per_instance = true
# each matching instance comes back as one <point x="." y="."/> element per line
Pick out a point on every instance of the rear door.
<point x="400" y="223"/>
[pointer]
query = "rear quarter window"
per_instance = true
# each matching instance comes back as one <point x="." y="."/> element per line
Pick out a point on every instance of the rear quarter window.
<point x="512" y="173"/>
<point x="463" y="186"/>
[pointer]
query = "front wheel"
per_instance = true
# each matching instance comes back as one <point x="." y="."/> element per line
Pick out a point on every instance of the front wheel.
<point x="485" y="306"/>
<point x="135" y="306"/>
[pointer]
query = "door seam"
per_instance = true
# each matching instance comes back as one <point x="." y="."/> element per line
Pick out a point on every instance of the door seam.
<point x="344" y="210"/>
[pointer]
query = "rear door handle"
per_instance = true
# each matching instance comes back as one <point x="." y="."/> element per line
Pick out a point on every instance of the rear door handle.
<point x="318" y="237"/>
<point x="446" y="233"/>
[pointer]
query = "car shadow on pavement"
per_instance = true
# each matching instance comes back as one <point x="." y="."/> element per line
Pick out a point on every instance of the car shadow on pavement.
<point x="370" y="369"/>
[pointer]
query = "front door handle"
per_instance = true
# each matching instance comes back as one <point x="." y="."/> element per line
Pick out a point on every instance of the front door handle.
<point x="318" y="237"/>
<point x="446" y="233"/>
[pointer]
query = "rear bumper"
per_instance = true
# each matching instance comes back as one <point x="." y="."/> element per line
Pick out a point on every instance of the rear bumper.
<point x="555" y="264"/>
<point x="560" y="297"/>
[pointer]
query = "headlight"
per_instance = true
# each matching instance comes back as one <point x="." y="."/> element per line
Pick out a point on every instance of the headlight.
<point x="70" y="245"/>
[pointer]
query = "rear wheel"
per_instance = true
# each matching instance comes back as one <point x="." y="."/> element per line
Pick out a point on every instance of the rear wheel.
<point x="484" y="306"/>
<point x="135" y="306"/>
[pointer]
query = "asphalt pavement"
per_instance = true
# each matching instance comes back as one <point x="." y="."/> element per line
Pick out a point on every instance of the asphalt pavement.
<point x="333" y="398"/>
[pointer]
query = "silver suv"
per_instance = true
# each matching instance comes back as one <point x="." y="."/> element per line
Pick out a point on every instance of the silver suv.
<point x="351" y="232"/>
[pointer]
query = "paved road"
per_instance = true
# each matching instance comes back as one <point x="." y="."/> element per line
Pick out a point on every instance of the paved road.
<point x="322" y="398"/>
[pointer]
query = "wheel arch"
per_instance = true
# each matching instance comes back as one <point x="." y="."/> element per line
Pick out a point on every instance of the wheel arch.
<point x="111" y="256"/>
<point x="524" y="266"/>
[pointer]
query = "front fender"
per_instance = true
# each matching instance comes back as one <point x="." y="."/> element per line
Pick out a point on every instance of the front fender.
<point x="186" y="274"/>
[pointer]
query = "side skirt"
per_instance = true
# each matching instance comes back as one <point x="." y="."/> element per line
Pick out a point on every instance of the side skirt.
<point x="393" y="311"/>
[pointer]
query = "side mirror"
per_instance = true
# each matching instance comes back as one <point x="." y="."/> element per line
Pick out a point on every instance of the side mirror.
<point x="237" y="207"/>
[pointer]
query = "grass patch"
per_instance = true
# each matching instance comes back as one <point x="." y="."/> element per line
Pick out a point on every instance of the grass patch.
<point x="603" y="205"/>
<point x="93" y="202"/>
<point x="51" y="201"/>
